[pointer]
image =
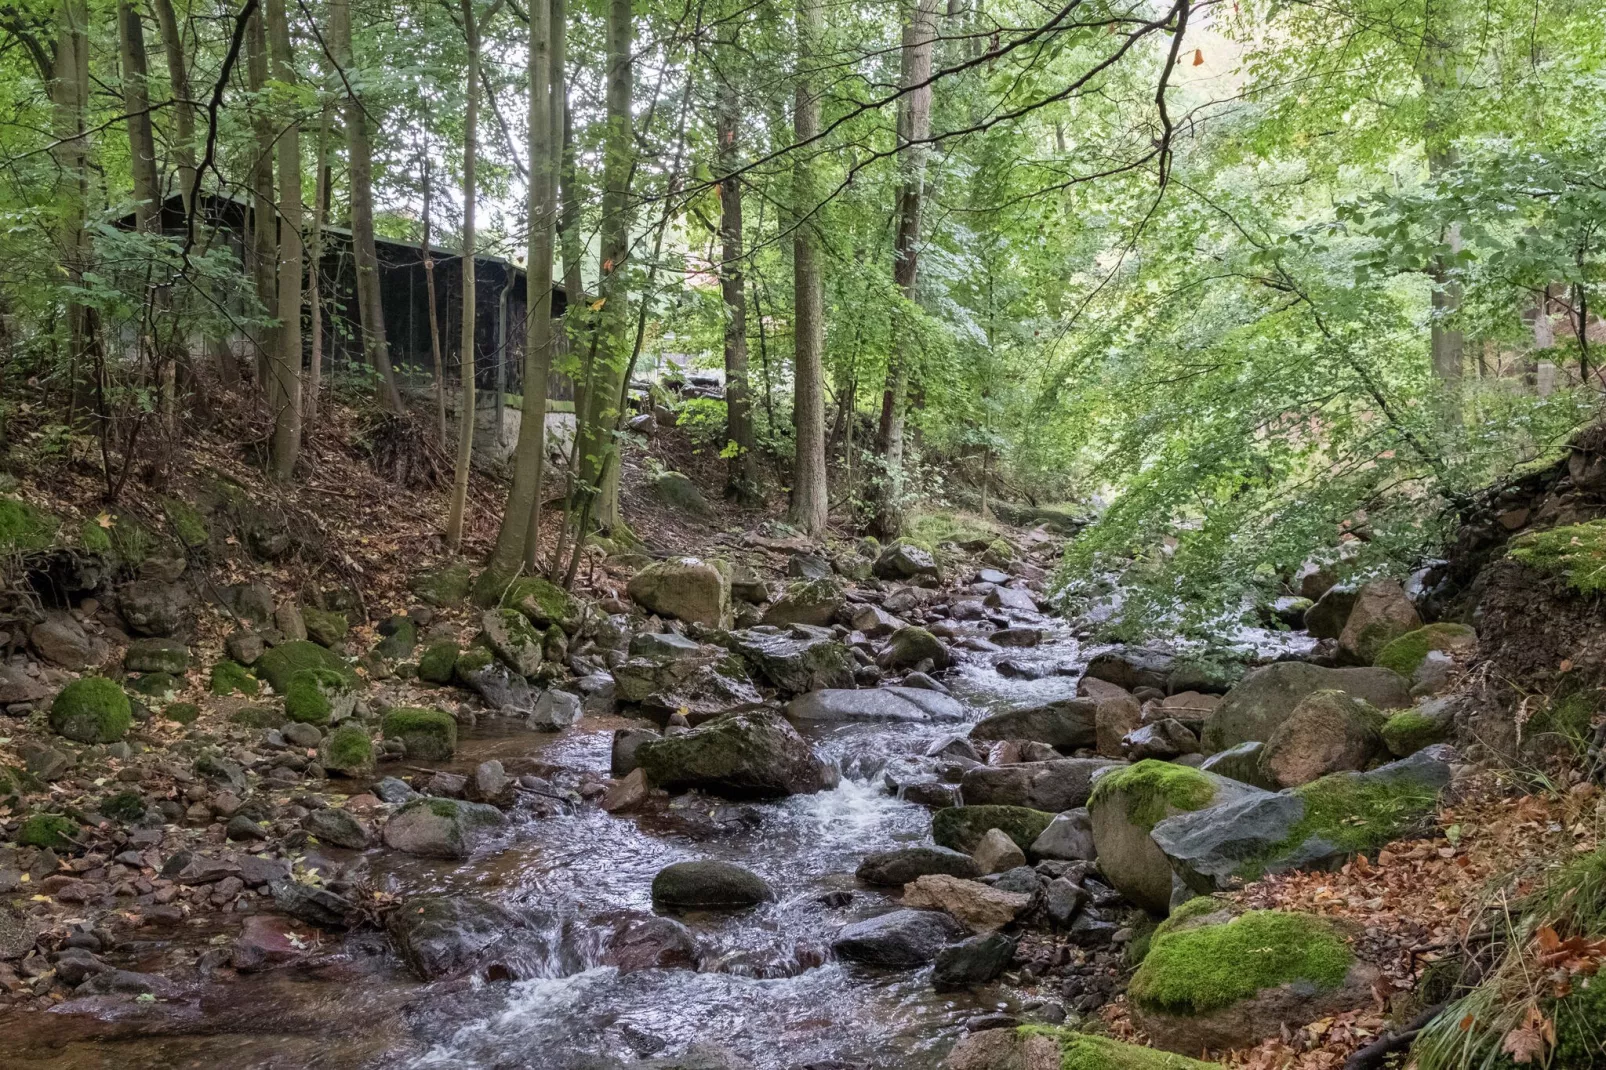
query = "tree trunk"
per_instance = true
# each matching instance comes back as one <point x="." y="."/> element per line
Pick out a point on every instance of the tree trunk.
<point x="320" y="206"/>
<point x="178" y="79"/>
<point x="264" y="228"/>
<point x="810" y="493"/>
<point x="465" y="411"/>
<point x="70" y="95"/>
<point x="434" y="314"/>
<point x="741" y="481"/>
<point x="914" y="127"/>
<point x="599" y="426"/>
<point x="1440" y="78"/>
<point x="284" y="380"/>
<point x="360" y="167"/>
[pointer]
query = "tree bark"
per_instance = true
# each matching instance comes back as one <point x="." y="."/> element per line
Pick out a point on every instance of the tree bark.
<point x="741" y="481"/>
<point x="914" y="127"/>
<point x="178" y="79"/>
<point x="70" y="95"/>
<point x="360" y="167"/>
<point x="1439" y="77"/>
<point x="264" y="228"/>
<point x="428" y="255"/>
<point x="810" y="493"/>
<point x="284" y="379"/>
<point x="320" y="206"/>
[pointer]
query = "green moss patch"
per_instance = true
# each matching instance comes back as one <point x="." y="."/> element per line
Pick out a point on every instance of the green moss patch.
<point x="439" y="662"/>
<point x="962" y="827"/>
<point x="545" y="603"/>
<point x="310" y="697"/>
<point x="348" y="750"/>
<point x="186" y="522"/>
<point x="1405" y="654"/>
<point x="1356" y="814"/>
<point x="47" y="830"/>
<point x="124" y="806"/>
<point x="258" y="717"/>
<point x="92" y="709"/>
<point x="324" y="627"/>
<point x="279" y="664"/>
<point x="1084" y="1051"/>
<point x="230" y="678"/>
<point x="24" y="529"/>
<point x="1410" y="730"/>
<point x="182" y="712"/>
<point x="1574" y="554"/>
<point x="93" y="537"/>
<point x="1209" y="967"/>
<point x="160" y="686"/>
<point x="1152" y="788"/>
<point x="430" y="735"/>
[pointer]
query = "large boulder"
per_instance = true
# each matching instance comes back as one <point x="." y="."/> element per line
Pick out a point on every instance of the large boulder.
<point x="1054" y="786"/>
<point x="814" y="601"/>
<point x="875" y="704"/>
<point x="898" y="867"/>
<point x="705" y="683"/>
<point x="912" y="645"/>
<point x="1125" y="806"/>
<point x="1117" y="715"/>
<point x="903" y="561"/>
<point x="708" y="885"/>
<point x="900" y="940"/>
<point x="282" y="662"/>
<point x="979" y="907"/>
<point x="152" y="607"/>
<point x="441" y="828"/>
<point x="1240" y="763"/>
<point x="1264" y="698"/>
<point x="1382" y="613"/>
<point x="795" y="663"/>
<point x="686" y="588"/>
<point x="1133" y="667"/>
<point x="486" y="675"/>
<point x="1066" y="725"/>
<point x="429" y="735"/>
<point x="1328" y="732"/>
<point x="1319" y="825"/>
<point x="751" y="755"/>
<point x="975" y="961"/>
<point x="1217" y="979"/>
<point x="91" y="709"/>
<point x="1068" y="838"/>
<point x="513" y="639"/>
<point x="545" y="604"/>
<point x="61" y="640"/>
<point x="961" y="828"/>
<point x="1406" y="653"/>
<point x="1411" y="730"/>
<point x="637" y="940"/>
<point x="451" y="936"/>
<point x="1326" y="619"/>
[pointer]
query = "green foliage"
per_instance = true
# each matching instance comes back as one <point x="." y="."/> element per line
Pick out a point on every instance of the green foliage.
<point x="47" y="830"/>
<point x="1151" y="789"/>
<point x="24" y="529"/>
<point x="1575" y="554"/>
<point x="1209" y="967"/>
<point x="91" y="709"/>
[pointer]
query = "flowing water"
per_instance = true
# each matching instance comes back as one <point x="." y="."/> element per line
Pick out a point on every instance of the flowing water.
<point x="768" y="989"/>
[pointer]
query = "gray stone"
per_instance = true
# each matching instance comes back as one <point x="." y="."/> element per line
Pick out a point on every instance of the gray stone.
<point x="1067" y="725"/>
<point x="974" y="961"/>
<point x="338" y="827"/>
<point x="312" y="904"/>
<point x="1068" y="838"/>
<point x="900" y="940"/>
<point x="554" y="711"/>
<point x="301" y="734"/>
<point x="1062" y="900"/>
<point x="901" y="561"/>
<point x="874" y="704"/>
<point x="898" y="867"/>
<point x="740" y="755"/>
<point x="1011" y="599"/>
<point x="795" y="663"/>
<point x="708" y="885"/>
<point x="1163" y="739"/>
<point x="61" y="640"/>
<point x="1240" y="763"/>
<point x="441" y="828"/>
<point x="1266" y="696"/>
<point x="1052" y="786"/>
<point x="451" y="936"/>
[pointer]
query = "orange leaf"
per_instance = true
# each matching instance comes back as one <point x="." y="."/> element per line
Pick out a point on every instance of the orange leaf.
<point x="1566" y="664"/>
<point x="1198" y="57"/>
<point x="607" y="265"/>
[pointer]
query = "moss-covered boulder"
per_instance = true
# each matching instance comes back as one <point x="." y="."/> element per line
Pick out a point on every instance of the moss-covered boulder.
<point x="1216" y="979"/>
<point x="961" y="828"/>
<point x="91" y="709"/>
<point x="686" y="588"/>
<point x="282" y="662"/>
<point x="24" y="529"/>
<point x="123" y="806"/>
<point x="1573" y="554"/>
<point x="444" y="587"/>
<point x="1328" y="732"/>
<point x="678" y="492"/>
<point x="429" y="735"/>
<point x="1319" y="825"/>
<point x="1047" y="1048"/>
<point x="157" y="655"/>
<point x="1265" y="697"/>
<point x="398" y="636"/>
<point x="545" y="603"/>
<point x="755" y="755"/>
<point x="1126" y="804"/>
<point x="347" y="751"/>
<point x="54" y="831"/>
<point x="187" y="523"/>
<point x="1411" y="730"/>
<point x="806" y="602"/>
<point x="912" y="645"/>
<point x="511" y="636"/>
<point x="1405" y="654"/>
<point x="441" y="828"/>
<point x="232" y="678"/>
<point x="1382" y="613"/>
<point x="439" y="662"/>
<point x="325" y="627"/>
<point x="182" y="712"/>
<point x="318" y="696"/>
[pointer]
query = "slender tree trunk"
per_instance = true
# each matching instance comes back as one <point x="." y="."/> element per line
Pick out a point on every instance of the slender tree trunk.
<point x="360" y="167"/>
<point x="598" y="428"/>
<point x="434" y="315"/>
<point x="810" y="492"/>
<point x="741" y="481"/>
<point x="914" y="127"/>
<point x="465" y="414"/>
<point x="264" y="228"/>
<point x="284" y="386"/>
<point x="70" y="95"/>
<point x="320" y="206"/>
<point x="1440" y="78"/>
<point x="178" y="79"/>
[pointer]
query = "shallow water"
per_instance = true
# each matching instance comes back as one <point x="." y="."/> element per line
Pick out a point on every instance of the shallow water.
<point x="767" y="991"/>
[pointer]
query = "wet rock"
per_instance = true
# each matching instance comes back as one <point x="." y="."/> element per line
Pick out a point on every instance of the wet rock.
<point x="901" y="561"/>
<point x="1328" y="731"/>
<point x="312" y="904"/>
<point x="490" y="784"/>
<point x="1069" y="838"/>
<point x="813" y="602"/>
<point x="1011" y="599"/>
<point x="900" y="940"/>
<point x="1164" y="739"/>
<point x="739" y="755"/>
<point x="394" y="791"/>
<point x="997" y="852"/>
<point x="708" y="885"/>
<point x="154" y="608"/>
<point x="898" y="867"/>
<point x="1381" y="613"/>
<point x="337" y="827"/>
<point x="499" y="686"/>
<point x="1266" y="696"/>
<point x="441" y="828"/>
<point x="266" y="941"/>
<point x="873" y="621"/>
<point x="795" y="663"/>
<point x="974" y="961"/>
<point x="627" y="793"/>
<point x="446" y="936"/>
<point x="1008" y="1048"/>
<point x="685" y="588"/>
<point x="912" y="646"/>
<point x="1068" y="724"/>
<point x="962" y="827"/>
<point x="75" y="965"/>
<point x="640" y="941"/>
<point x="1016" y="637"/>
<point x="1057" y="785"/>
<point x="924" y="683"/>
<point x="712" y="682"/>
<point x="1062" y="900"/>
<point x="1132" y="667"/>
<point x="626" y="743"/>
<point x="874" y="704"/>
<point x="554" y="711"/>
<point x="128" y="983"/>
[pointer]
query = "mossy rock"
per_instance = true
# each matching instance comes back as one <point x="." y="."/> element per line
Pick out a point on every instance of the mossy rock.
<point x="962" y="827"/>
<point x="157" y="655"/>
<point x="348" y="751"/>
<point x="1406" y="654"/>
<point x="187" y="523"/>
<point x="325" y="627"/>
<point x="182" y="712"/>
<point x="259" y="717"/>
<point x="1151" y="790"/>
<point x="677" y="491"/>
<point x="444" y="587"/>
<point x="398" y="637"/>
<point x="24" y="529"/>
<point x="91" y="709"/>
<point x="1410" y="730"/>
<point x="279" y="664"/>
<point x="544" y="603"/>
<point x="1573" y="554"/>
<point x="54" y="831"/>
<point x="157" y="686"/>
<point x="429" y="735"/>
<point x="472" y="660"/>
<point x="231" y="678"/>
<point x="124" y="806"/>
<point x="317" y="696"/>
<point x="439" y="663"/>
<point x="1085" y="1051"/>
